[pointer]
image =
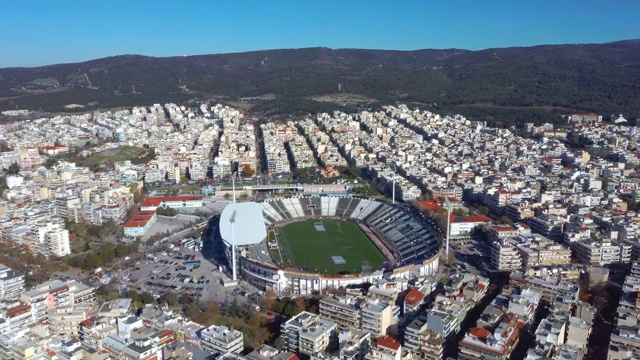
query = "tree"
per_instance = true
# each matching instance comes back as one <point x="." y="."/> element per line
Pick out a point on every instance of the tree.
<point x="13" y="169"/>
<point x="268" y="300"/>
<point x="213" y="308"/>
<point x="483" y="210"/>
<point x="147" y="298"/>
<point x="50" y="162"/>
<point x="300" y="305"/>
<point x="5" y="147"/>
<point x="170" y="299"/>
<point x="122" y="250"/>
<point x="185" y="299"/>
<point x="227" y="196"/>
<point x="505" y="220"/>
<point x="133" y="295"/>
<point x="107" y="252"/>
<point x="76" y="261"/>
<point x="247" y="171"/>
<point x="192" y="310"/>
<point x="459" y="212"/>
<point x="92" y="261"/>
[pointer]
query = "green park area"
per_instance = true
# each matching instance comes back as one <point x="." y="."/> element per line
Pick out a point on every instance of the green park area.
<point x="136" y="155"/>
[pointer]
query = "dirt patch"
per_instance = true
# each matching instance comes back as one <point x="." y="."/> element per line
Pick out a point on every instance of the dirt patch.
<point x="344" y="99"/>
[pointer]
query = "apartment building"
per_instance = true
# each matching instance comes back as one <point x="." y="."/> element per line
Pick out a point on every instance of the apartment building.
<point x="481" y="343"/>
<point x="11" y="283"/>
<point x="525" y="303"/>
<point x="354" y="344"/>
<point x="17" y="314"/>
<point x="378" y="317"/>
<point x="601" y="253"/>
<point x="427" y="343"/>
<point x="65" y="320"/>
<point x="221" y="340"/>
<point x="49" y="238"/>
<point x="309" y="334"/>
<point x="505" y="256"/>
<point x="342" y="310"/>
<point x="537" y="250"/>
<point x="498" y="232"/>
<point x="549" y="225"/>
<point x="386" y="348"/>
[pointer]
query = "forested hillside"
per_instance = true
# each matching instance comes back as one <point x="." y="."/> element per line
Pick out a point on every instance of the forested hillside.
<point x="499" y="85"/>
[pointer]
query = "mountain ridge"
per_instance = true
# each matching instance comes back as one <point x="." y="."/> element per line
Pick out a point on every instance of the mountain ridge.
<point x="602" y="78"/>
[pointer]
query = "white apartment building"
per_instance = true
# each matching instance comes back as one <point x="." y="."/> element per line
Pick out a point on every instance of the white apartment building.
<point x="49" y="238"/>
<point x="525" y="303"/>
<point x="601" y="253"/>
<point x="378" y="317"/>
<point x="539" y="251"/>
<point x="221" y="340"/>
<point x="505" y="256"/>
<point x="342" y="310"/>
<point x="310" y="334"/>
<point x="426" y="342"/>
<point x="11" y="283"/>
<point x="65" y="320"/>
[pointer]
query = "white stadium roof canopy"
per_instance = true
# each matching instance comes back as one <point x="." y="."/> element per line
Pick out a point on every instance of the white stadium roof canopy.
<point x="249" y="224"/>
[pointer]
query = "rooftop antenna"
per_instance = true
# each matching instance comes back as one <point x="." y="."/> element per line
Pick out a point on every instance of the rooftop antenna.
<point x="232" y="220"/>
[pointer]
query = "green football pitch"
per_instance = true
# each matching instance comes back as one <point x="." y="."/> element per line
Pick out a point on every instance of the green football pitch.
<point x="305" y="246"/>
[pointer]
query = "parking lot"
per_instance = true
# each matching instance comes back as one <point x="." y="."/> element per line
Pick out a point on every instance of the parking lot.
<point x="473" y="253"/>
<point x="167" y="272"/>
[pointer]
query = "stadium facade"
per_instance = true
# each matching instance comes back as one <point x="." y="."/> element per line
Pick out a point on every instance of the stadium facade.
<point x="411" y="246"/>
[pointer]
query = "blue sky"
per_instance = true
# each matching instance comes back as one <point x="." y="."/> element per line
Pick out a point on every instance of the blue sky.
<point x="34" y="33"/>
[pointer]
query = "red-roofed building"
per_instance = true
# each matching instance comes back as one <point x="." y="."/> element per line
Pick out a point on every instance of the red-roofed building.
<point x="152" y="203"/>
<point x="502" y="231"/>
<point x="412" y="301"/>
<point x="463" y="225"/>
<point x="19" y="316"/>
<point x="386" y="348"/>
<point x="480" y="343"/>
<point x="139" y="223"/>
<point x="431" y="205"/>
<point x="55" y="150"/>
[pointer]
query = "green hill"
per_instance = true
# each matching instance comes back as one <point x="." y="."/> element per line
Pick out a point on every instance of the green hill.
<point x="500" y="85"/>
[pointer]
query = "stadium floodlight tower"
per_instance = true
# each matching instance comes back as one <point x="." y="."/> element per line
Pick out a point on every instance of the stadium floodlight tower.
<point x="251" y="230"/>
<point x="393" y="190"/>
<point x="232" y="220"/>
<point x="448" y="205"/>
<point x="233" y="185"/>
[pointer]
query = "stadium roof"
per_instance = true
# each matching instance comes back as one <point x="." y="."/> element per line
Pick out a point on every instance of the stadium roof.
<point x="249" y="224"/>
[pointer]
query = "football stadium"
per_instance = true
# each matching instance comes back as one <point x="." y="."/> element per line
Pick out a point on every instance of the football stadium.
<point x="308" y="244"/>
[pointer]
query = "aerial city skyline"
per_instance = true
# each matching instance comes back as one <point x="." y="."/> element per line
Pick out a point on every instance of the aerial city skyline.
<point x="334" y="196"/>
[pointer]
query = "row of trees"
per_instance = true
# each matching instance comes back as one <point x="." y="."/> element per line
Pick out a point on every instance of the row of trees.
<point x="104" y="254"/>
<point x="166" y="211"/>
